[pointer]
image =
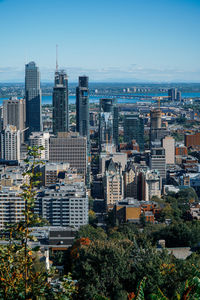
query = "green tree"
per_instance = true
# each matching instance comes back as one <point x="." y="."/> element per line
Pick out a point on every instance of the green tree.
<point x="20" y="274"/>
<point x="88" y="231"/>
<point x="101" y="268"/>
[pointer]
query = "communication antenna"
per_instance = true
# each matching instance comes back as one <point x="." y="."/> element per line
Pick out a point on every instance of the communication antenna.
<point x="56" y="57"/>
<point x="159" y="99"/>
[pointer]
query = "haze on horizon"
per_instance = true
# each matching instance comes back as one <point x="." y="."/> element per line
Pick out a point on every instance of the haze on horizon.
<point x="118" y="41"/>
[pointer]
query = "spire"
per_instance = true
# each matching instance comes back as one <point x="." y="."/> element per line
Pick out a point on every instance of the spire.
<point x="56" y="58"/>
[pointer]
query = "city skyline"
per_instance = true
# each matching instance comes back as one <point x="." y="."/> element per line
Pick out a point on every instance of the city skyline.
<point x="107" y="41"/>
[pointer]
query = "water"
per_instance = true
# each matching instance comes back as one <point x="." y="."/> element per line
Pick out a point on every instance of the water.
<point x="72" y="99"/>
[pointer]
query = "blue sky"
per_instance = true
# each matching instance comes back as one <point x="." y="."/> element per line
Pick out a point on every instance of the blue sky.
<point x="109" y="40"/>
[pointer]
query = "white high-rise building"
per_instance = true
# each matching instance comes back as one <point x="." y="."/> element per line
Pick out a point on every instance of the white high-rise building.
<point x="10" y="143"/>
<point x="168" y="143"/>
<point x="153" y="184"/>
<point x="40" y="139"/>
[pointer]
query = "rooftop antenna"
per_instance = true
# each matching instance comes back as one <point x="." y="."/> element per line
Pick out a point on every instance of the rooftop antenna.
<point x="159" y="98"/>
<point x="56" y="58"/>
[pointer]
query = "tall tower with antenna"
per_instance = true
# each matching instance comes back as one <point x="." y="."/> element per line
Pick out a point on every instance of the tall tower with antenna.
<point x="56" y="58"/>
<point x="60" y="100"/>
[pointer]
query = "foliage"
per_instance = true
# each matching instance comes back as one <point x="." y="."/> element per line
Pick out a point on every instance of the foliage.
<point x="92" y="233"/>
<point x="109" y="266"/>
<point x="178" y="136"/>
<point x="180" y="234"/>
<point x="22" y="275"/>
<point x="102" y="268"/>
<point x="176" y="206"/>
<point x="92" y="218"/>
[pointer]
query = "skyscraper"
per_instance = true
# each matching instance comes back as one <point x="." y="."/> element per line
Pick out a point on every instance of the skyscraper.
<point x="172" y="94"/>
<point x="82" y="107"/>
<point x="108" y="122"/>
<point x="60" y="103"/>
<point x="14" y="113"/>
<point x="82" y="116"/>
<point x="157" y="162"/>
<point x="33" y="98"/>
<point x="168" y="143"/>
<point x="134" y="130"/>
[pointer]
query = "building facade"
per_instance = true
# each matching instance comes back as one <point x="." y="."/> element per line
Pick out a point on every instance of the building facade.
<point x="11" y="207"/>
<point x="33" y="98"/>
<point x="63" y="205"/>
<point x="69" y="148"/>
<point x="172" y="94"/>
<point x="14" y="113"/>
<point x="157" y="132"/>
<point x="113" y="183"/>
<point x="108" y="122"/>
<point x="40" y="139"/>
<point x="192" y="140"/>
<point x="82" y="108"/>
<point x="10" y="143"/>
<point x="60" y="103"/>
<point x="134" y="130"/>
<point x="153" y="184"/>
<point x="157" y="162"/>
<point x="168" y="143"/>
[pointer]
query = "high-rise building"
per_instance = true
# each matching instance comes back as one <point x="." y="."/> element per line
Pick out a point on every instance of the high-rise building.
<point x="10" y="143"/>
<point x="155" y="118"/>
<point x="158" y="162"/>
<point x="65" y="205"/>
<point x="1" y="118"/>
<point x="113" y="183"/>
<point x="69" y="148"/>
<point x="178" y="98"/>
<point x="168" y="143"/>
<point x="172" y="94"/>
<point x="82" y="116"/>
<point x="157" y="132"/>
<point x="14" y="113"/>
<point x="153" y="184"/>
<point x="130" y="180"/>
<point x="60" y="103"/>
<point x="82" y="108"/>
<point x="33" y="98"/>
<point x="12" y="206"/>
<point x="134" y="130"/>
<point x="40" y="139"/>
<point x="108" y="122"/>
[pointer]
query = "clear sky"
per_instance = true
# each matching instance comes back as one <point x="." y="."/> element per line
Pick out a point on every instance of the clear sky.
<point x="109" y="40"/>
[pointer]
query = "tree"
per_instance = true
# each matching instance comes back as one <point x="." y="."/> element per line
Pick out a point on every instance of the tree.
<point x="88" y="231"/>
<point x="179" y="234"/>
<point x="20" y="275"/>
<point x="101" y="268"/>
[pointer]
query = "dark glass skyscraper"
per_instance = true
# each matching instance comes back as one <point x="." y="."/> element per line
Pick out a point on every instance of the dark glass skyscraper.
<point x="33" y="98"/>
<point x="134" y="130"/>
<point x="82" y="116"/>
<point x="172" y="94"/>
<point x="82" y="108"/>
<point x="60" y="103"/>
